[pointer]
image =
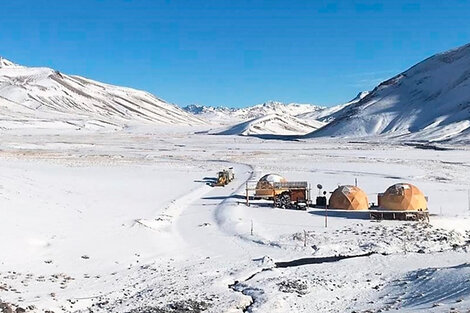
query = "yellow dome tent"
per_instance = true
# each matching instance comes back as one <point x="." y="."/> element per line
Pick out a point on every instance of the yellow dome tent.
<point x="349" y="198"/>
<point x="264" y="187"/>
<point x="403" y="197"/>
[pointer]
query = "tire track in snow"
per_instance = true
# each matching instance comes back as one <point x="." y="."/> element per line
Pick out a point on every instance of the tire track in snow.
<point x="223" y="206"/>
<point x="167" y="216"/>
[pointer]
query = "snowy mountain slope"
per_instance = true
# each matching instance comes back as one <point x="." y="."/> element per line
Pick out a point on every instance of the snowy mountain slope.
<point x="15" y="117"/>
<point x="215" y="115"/>
<point x="5" y="63"/>
<point x="224" y="115"/>
<point x="57" y="95"/>
<point x="272" y="124"/>
<point x="274" y="107"/>
<point x="328" y="114"/>
<point x="428" y="102"/>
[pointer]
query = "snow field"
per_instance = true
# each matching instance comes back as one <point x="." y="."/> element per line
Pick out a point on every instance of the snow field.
<point x="128" y="222"/>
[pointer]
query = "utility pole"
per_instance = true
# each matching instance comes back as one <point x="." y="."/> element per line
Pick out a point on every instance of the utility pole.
<point x="469" y="199"/>
<point x="251" y="228"/>
<point x="305" y="238"/>
<point x="326" y="215"/>
<point x="355" y="181"/>
<point x="247" y="195"/>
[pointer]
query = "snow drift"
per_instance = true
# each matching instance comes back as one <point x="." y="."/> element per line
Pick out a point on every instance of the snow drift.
<point x="429" y="102"/>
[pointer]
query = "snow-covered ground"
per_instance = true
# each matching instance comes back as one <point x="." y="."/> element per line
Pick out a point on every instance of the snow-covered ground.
<point x="125" y="221"/>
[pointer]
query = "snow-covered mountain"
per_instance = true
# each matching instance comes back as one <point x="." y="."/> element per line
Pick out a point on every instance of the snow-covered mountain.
<point x="214" y="115"/>
<point x="46" y="95"/>
<point x="328" y="114"/>
<point x="224" y="115"/>
<point x="6" y="63"/>
<point x="272" y="124"/>
<point x="269" y="118"/>
<point x="274" y="107"/>
<point x="428" y="102"/>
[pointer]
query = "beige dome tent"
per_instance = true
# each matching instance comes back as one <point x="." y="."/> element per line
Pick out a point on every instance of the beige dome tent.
<point x="264" y="187"/>
<point x="349" y="198"/>
<point x="403" y="197"/>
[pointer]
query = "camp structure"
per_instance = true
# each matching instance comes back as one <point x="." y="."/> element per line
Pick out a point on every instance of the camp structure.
<point x="401" y="201"/>
<point x="348" y="198"/>
<point x="265" y="186"/>
<point x="403" y="197"/>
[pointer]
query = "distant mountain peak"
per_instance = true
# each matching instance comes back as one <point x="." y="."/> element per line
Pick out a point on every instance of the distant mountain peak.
<point x="194" y="108"/>
<point x="6" y="63"/>
<point x="360" y="96"/>
<point x="272" y="103"/>
<point x="225" y="115"/>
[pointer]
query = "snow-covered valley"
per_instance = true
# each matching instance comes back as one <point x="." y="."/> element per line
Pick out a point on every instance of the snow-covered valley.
<point x="106" y="201"/>
<point x="125" y="222"/>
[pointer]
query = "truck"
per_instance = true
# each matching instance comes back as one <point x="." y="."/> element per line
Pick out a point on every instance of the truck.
<point x="296" y="195"/>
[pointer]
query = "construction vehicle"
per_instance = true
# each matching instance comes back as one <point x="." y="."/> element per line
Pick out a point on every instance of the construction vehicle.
<point x="296" y="195"/>
<point x="224" y="177"/>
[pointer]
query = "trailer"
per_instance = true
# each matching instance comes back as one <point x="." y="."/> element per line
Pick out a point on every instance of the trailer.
<point x="286" y="195"/>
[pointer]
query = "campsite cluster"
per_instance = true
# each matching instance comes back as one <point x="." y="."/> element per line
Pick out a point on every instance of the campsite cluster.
<point x="401" y="201"/>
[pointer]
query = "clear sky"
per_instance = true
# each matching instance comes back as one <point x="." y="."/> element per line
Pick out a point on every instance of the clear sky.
<point x="235" y="53"/>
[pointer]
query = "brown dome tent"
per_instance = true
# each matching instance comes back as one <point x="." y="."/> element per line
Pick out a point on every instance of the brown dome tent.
<point x="264" y="187"/>
<point x="403" y="197"/>
<point x="349" y="198"/>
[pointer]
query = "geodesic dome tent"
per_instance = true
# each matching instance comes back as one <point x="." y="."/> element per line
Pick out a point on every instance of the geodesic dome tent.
<point x="348" y="198"/>
<point x="403" y="197"/>
<point x="265" y="188"/>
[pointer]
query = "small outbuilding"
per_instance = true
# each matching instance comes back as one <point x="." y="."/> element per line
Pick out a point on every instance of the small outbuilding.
<point x="403" y="197"/>
<point x="265" y="186"/>
<point x="348" y="198"/>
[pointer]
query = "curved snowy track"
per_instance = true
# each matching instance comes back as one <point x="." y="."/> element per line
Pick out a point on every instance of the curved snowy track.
<point x="209" y="223"/>
<point x="214" y="228"/>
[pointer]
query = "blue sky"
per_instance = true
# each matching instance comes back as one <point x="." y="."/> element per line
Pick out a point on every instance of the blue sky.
<point x="234" y="53"/>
